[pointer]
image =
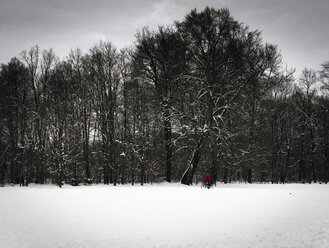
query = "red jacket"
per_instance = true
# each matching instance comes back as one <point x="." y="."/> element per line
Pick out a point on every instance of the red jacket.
<point x="207" y="177"/>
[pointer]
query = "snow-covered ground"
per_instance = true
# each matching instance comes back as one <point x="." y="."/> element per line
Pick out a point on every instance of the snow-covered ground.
<point x="233" y="215"/>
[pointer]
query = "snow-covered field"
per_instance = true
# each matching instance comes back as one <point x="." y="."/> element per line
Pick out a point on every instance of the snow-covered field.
<point x="233" y="215"/>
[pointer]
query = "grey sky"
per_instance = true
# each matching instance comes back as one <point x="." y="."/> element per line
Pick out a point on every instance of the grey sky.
<point x="300" y="28"/>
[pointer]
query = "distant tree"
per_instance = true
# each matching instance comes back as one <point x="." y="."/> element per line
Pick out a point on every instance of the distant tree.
<point x="83" y="99"/>
<point x="14" y="114"/>
<point x="125" y="69"/>
<point x="39" y="69"/>
<point x="323" y="132"/>
<point x="304" y="104"/>
<point x="103" y="73"/>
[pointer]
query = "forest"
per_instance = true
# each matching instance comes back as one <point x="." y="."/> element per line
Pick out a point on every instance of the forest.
<point x="201" y="95"/>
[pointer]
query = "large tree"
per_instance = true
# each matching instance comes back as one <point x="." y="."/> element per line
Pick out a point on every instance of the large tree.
<point x="159" y="59"/>
<point x="227" y="61"/>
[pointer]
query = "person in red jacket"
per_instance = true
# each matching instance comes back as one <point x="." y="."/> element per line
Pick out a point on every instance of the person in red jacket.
<point x="208" y="181"/>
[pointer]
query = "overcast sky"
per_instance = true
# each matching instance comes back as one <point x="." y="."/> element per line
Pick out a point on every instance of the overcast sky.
<point x="300" y="28"/>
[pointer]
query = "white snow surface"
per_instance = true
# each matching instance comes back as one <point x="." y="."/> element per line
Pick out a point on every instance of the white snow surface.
<point x="165" y="215"/>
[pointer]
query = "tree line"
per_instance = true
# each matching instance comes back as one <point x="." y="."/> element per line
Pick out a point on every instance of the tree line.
<point x="203" y="95"/>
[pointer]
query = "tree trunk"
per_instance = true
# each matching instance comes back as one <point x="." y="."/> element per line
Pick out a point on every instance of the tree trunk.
<point x="2" y="173"/>
<point x="86" y="143"/>
<point x="187" y="178"/>
<point x="213" y="170"/>
<point x="249" y="175"/>
<point x="284" y="174"/>
<point x="314" y="177"/>
<point x="167" y="133"/>
<point x="225" y="175"/>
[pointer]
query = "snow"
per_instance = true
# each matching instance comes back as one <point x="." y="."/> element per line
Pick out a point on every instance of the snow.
<point x="165" y="215"/>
